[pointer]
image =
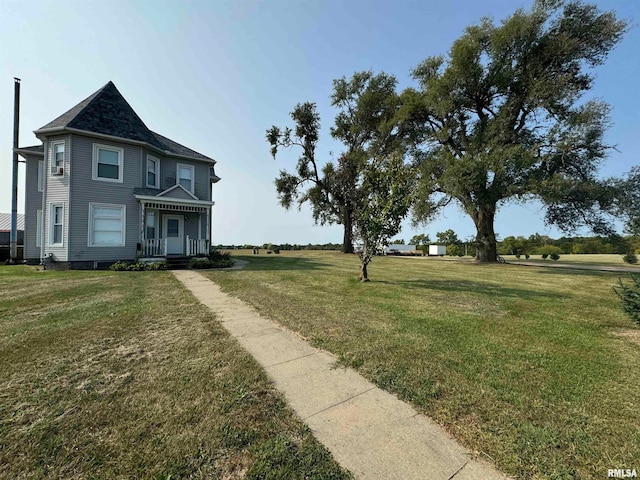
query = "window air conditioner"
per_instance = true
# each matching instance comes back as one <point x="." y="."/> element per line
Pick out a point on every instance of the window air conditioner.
<point x="58" y="171"/>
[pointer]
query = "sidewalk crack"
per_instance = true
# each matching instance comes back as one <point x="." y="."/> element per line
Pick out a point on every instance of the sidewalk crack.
<point x="458" y="470"/>
<point x="339" y="403"/>
<point x="290" y="360"/>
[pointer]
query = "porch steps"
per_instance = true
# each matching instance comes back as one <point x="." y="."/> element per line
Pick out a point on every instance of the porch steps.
<point x="177" y="262"/>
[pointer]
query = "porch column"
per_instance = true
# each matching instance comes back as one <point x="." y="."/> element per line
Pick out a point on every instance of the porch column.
<point x="143" y="214"/>
<point x="208" y="232"/>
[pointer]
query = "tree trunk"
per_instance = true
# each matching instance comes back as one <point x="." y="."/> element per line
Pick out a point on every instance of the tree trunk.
<point x="347" y="240"/>
<point x="487" y="250"/>
<point x="364" y="277"/>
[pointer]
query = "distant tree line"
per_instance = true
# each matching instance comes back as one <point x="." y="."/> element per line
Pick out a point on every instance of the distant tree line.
<point x="535" y="244"/>
<point x="539" y="244"/>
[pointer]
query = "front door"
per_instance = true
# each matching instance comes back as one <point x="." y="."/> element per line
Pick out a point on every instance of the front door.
<point x="173" y="230"/>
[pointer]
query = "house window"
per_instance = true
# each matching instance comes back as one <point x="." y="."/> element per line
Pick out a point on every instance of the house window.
<point x="40" y="175"/>
<point x="38" y="228"/>
<point x="106" y="225"/>
<point x="185" y="176"/>
<point x="107" y="163"/>
<point x="150" y="223"/>
<point x="153" y="172"/>
<point x="57" y="224"/>
<point x="57" y="156"/>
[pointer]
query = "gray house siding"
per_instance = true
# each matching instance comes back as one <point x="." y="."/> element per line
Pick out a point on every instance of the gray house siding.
<point x="57" y="193"/>
<point x="86" y="191"/>
<point x="168" y="174"/>
<point x="191" y="226"/>
<point x="203" y="225"/>
<point x="203" y="187"/>
<point x="32" y="203"/>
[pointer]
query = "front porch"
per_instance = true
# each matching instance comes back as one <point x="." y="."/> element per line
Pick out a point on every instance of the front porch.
<point x="173" y="227"/>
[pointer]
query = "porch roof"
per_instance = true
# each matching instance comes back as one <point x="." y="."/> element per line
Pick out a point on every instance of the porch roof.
<point x="177" y="204"/>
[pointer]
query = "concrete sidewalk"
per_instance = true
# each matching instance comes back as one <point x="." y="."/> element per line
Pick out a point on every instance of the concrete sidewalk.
<point x="369" y="431"/>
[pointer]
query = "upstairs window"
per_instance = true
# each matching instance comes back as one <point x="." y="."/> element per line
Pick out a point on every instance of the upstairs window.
<point x="153" y="172"/>
<point x="107" y="163"/>
<point x="185" y="176"/>
<point x="57" y="156"/>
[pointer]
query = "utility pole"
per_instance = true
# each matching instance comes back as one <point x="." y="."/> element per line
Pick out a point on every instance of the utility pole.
<point x="13" y="242"/>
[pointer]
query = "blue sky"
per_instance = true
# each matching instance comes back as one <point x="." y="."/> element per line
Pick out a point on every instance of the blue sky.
<point x="215" y="75"/>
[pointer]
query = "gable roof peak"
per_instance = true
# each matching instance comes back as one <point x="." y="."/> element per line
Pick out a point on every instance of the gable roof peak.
<point x="107" y="112"/>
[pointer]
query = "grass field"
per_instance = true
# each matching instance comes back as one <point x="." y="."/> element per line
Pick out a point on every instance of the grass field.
<point x="536" y="370"/>
<point x="125" y="375"/>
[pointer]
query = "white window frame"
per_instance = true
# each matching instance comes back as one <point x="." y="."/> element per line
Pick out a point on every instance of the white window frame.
<point x="119" y="151"/>
<point x="157" y="172"/>
<point x="193" y="175"/>
<point x="41" y="175"/>
<point x="123" y="222"/>
<point x="52" y="224"/>
<point x="39" y="227"/>
<point x="54" y="162"/>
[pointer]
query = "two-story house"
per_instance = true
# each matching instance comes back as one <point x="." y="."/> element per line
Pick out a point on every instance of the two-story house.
<point x="102" y="187"/>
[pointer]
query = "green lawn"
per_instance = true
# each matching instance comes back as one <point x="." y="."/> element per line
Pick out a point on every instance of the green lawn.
<point x="536" y="370"/>
<point x="125" y="375"/>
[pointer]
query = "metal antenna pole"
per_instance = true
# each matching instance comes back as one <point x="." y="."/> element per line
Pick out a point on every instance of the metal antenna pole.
<point x="13" y="242"/>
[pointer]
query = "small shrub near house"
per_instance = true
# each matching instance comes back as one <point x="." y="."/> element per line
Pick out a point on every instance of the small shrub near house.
<point x="214" y="260"/>
<point x="630" y="295"/>
<point x="630" y="258"/>
<point x="138" y="266"/>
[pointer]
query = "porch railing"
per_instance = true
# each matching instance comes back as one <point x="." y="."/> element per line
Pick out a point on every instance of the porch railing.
<point x="197" y="247"/>
<point x="154" y="247"/>
<point x="157" y="247"/>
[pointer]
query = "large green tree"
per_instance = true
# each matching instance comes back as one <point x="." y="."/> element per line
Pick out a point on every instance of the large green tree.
<point x="503" y="119"/>
<point x="448" y="237"/>
<point x="420" y="239"/>
<point x="311" y="182"/>
<point x="372" y="173"/>
<point x="366" y="124"/>
<point x="628" y="201"/>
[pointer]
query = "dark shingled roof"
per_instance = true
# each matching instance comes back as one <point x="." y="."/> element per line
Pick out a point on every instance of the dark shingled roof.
<point x="108" y="113"/>
<point x="34" y="148"/>
<point x="150" y="192"/>
<point x="175" y="147"/>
